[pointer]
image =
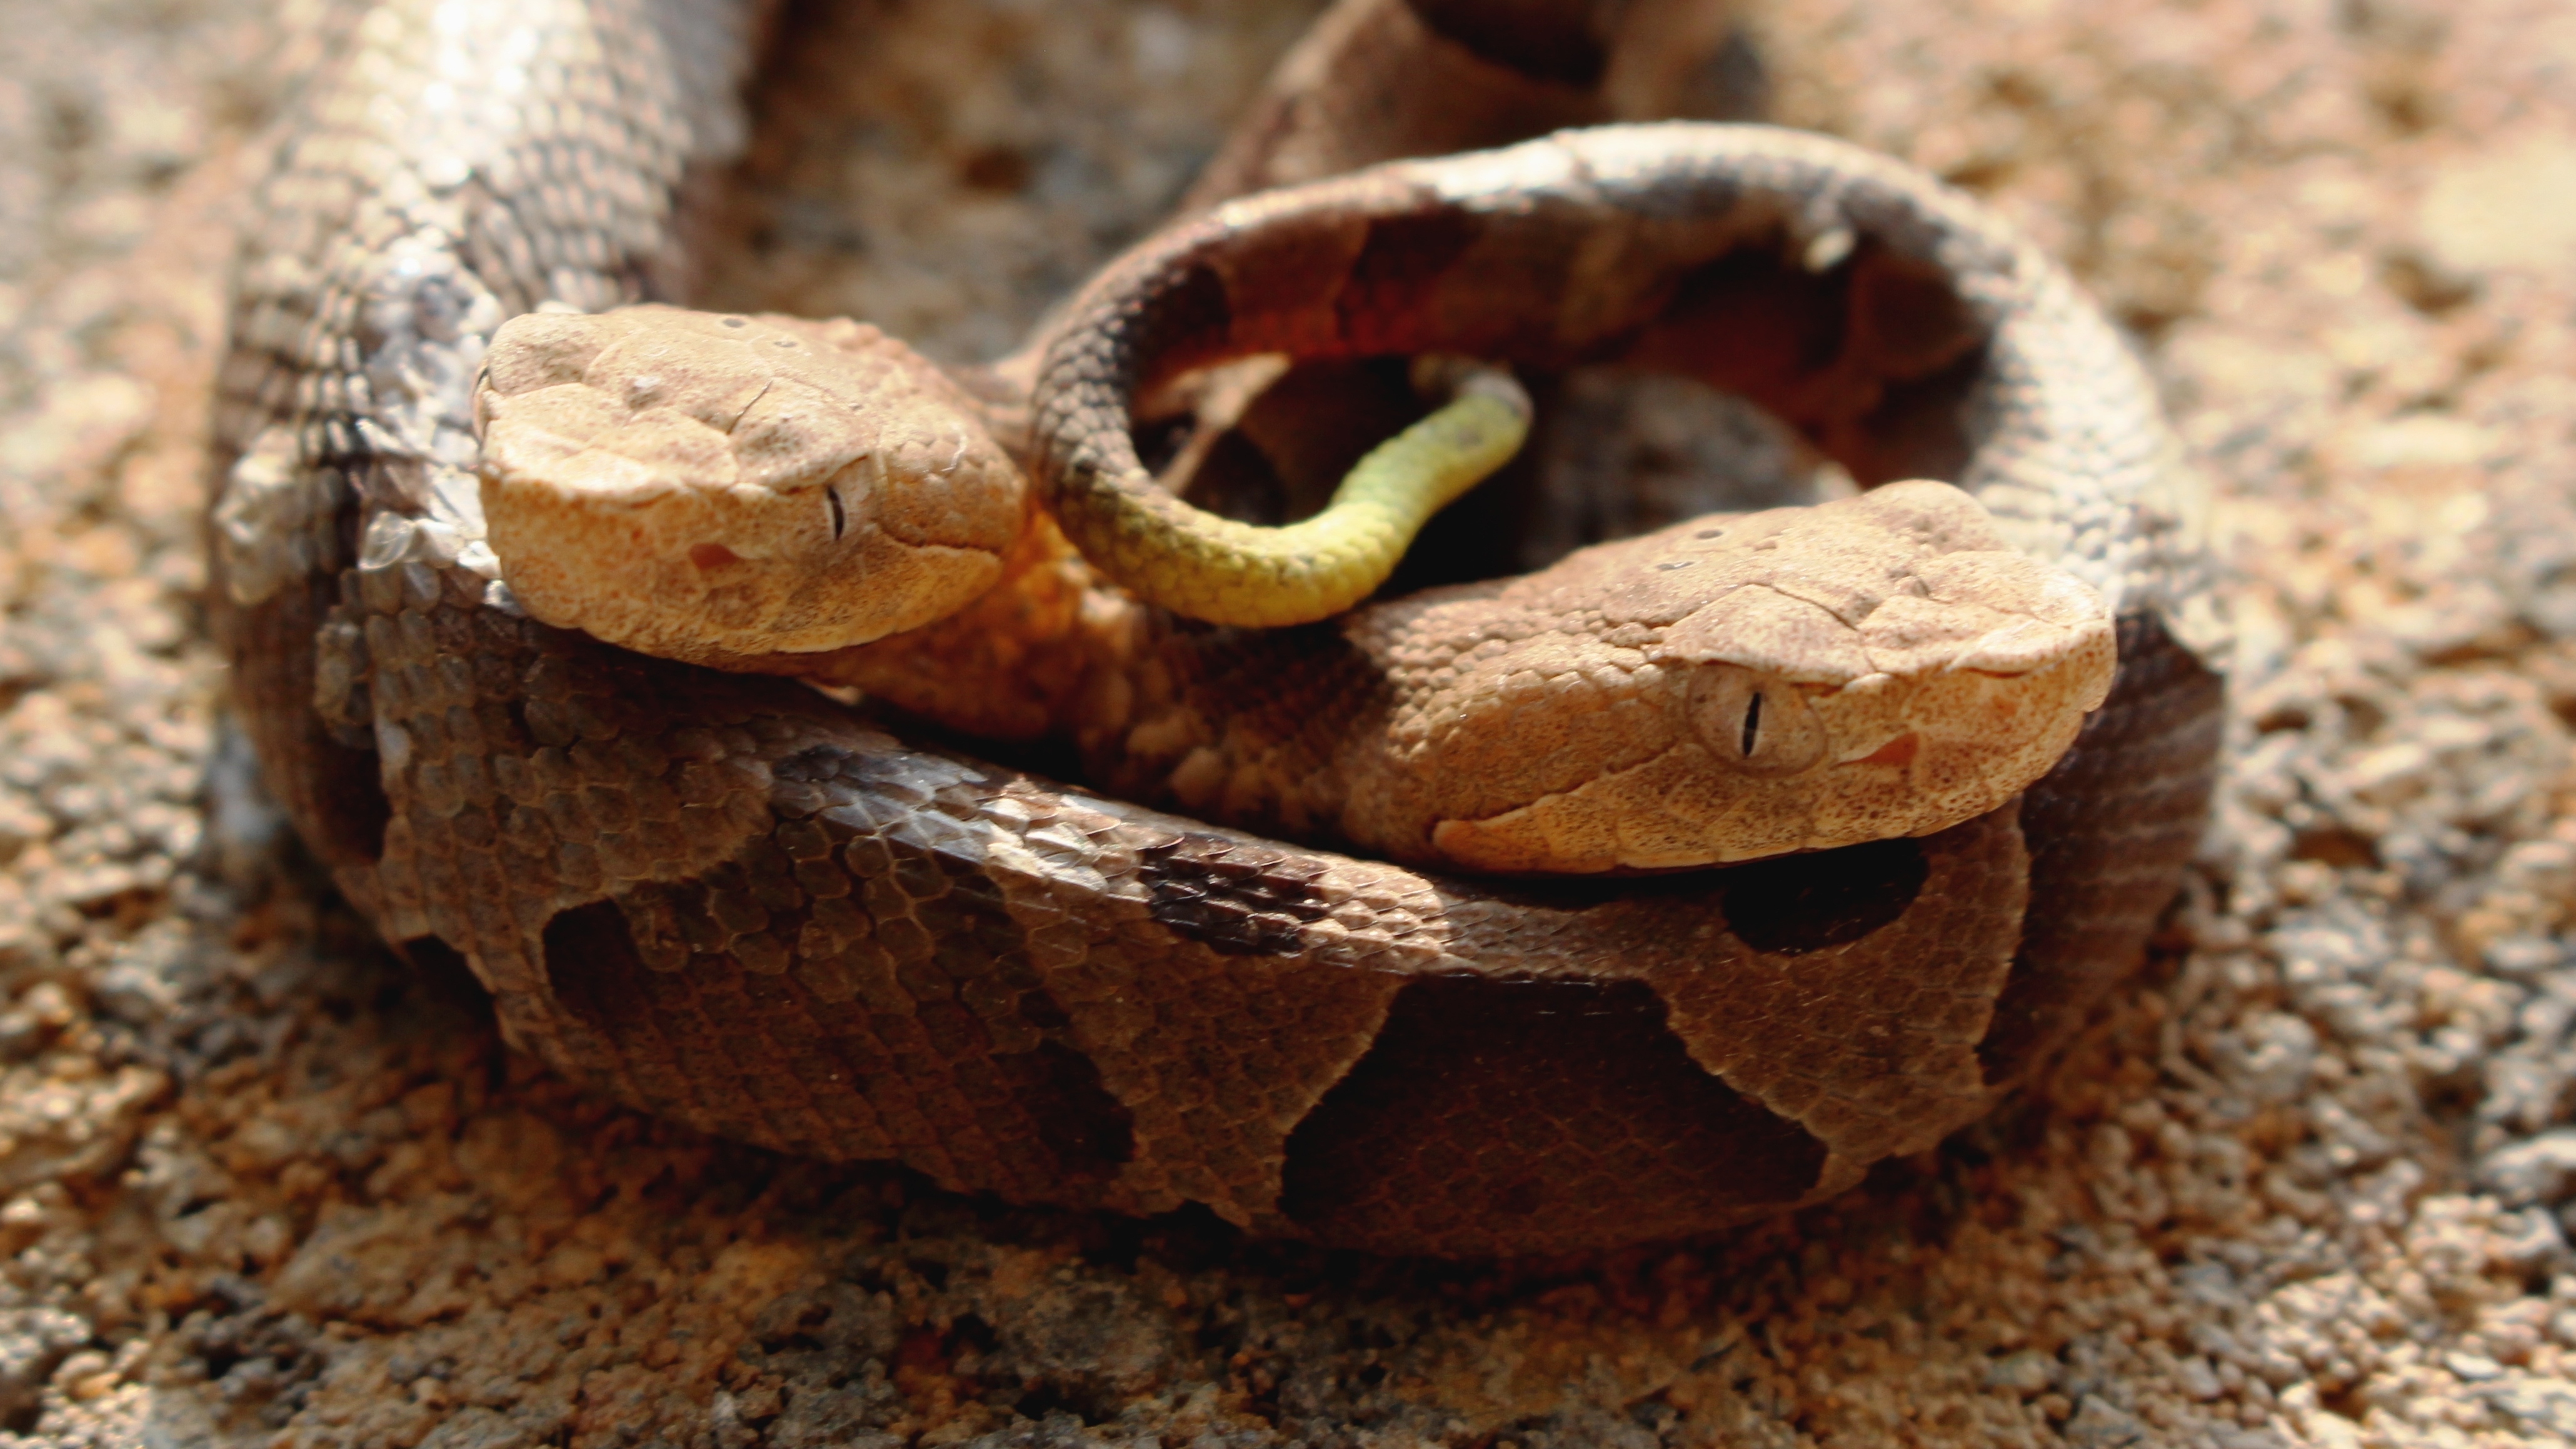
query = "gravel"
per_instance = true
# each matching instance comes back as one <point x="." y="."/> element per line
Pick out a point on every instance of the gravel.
<point x="2307" y="1181"/>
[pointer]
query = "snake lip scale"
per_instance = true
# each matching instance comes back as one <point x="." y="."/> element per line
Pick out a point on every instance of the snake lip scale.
<point x="728" y="900"/>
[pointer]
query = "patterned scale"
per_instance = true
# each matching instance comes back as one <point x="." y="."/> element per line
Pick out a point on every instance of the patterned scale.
<point x="734" y="902"/>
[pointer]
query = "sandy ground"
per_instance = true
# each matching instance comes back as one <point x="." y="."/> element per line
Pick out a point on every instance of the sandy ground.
<point x="2299" y="1184"/>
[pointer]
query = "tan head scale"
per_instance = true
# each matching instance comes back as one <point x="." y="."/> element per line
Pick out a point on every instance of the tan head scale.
<point x="719" y="488"/>
<point x="1730" y="688"/>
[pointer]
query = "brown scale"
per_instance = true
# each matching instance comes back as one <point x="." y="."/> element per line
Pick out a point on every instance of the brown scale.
<point x="730" y="901"/>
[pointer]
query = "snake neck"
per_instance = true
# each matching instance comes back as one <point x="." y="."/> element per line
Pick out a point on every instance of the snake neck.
<point x="1243" y="725"/>
<point x="1019" y="664"/>
<point x="1252" y="727"/>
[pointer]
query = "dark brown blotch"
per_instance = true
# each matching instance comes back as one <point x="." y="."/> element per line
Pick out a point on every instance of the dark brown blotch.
<point x="1542" y="39"/>
<point x="1198" y="887"/>
<point x="1792" y="904"/>
<point x="1522" y="1116"/>
<point x="1184" y="318"/>
<point x="979" y="1053"/>
<point x="1872" y="359"/>
<point x="1400" y="267"/>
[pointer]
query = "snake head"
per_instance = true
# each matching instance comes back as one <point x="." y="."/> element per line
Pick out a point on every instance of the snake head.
<point x="724" y="488"/>
<point x="1732" y="688"/>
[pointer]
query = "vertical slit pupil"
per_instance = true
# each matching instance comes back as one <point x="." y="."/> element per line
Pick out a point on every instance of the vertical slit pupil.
<point x="1752" y="722"/>
<point x="840" y="519"/>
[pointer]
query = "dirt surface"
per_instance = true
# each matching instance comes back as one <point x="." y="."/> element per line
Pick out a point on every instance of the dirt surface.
<point x="2300" y="1184"/>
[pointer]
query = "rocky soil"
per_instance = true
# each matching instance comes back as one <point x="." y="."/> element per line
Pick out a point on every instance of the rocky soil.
<point x="2301" y="1183"/>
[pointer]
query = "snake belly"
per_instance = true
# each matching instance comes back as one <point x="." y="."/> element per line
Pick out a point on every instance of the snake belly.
<point x="733" y="902"/>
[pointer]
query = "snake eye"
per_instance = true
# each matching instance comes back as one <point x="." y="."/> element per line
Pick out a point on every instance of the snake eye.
<point x="840" y="511"/>
<point x="1756" y="722"/>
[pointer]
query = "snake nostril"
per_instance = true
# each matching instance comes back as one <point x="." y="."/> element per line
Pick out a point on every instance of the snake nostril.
<point x="712" y="556"/>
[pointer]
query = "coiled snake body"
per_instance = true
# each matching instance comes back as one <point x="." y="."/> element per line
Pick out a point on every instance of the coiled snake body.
<point x="730" y="900"/>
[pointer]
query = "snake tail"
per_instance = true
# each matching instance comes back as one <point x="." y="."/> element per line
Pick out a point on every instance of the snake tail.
<point x="1203" y="566"/>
